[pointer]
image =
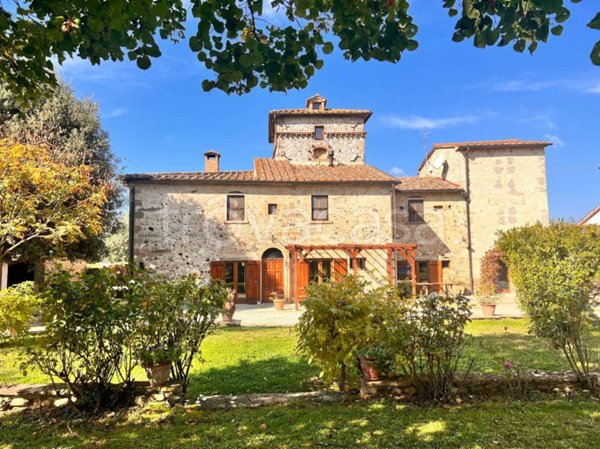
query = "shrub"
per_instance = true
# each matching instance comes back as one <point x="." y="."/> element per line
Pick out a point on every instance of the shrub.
<point x="425" y="336"/>
<point x="89" y="328"/>
<point x="333" y="327"/>
<point x="18" y="304"/>
<point x="177" y="335"/>
<point x="555" y="269"/>
<point x="490" y="270"/>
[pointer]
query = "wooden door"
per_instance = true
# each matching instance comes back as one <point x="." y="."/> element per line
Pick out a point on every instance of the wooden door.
<point x="340" y="269"/>
<point x="302" y="278"/>
<point x="272" y="277"/>
<point x="252" y="282"/>
<point x="435" y="276"/>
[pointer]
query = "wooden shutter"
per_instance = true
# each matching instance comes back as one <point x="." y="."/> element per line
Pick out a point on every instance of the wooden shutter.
<point x="435" y="275"/>
<point x="217" y="270"/>
<point x="302" y="279"/>
<point x="252" y="282"/>
<point x="340" y="269"/>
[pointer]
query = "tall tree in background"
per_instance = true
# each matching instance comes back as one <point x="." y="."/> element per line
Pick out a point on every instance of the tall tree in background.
<point x="71" y="131"/>
<point x="241" y="43"/>
<point x="45" y="205"/>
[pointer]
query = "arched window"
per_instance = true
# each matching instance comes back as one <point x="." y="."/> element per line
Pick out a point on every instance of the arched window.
<point x="272" y="253"/>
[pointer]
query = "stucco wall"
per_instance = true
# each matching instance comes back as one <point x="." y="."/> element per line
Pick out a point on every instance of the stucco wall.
<point x="297" y="148"/>
<point x="443" y="233"/>
<point x="180" y="228"/>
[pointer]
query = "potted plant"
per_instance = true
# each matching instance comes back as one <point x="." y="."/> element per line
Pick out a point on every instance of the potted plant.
<point x="373" y="363"/>
<point x="229" y="307"/>
<point x="278" y="301"/>
<point x="157" y="362"/>
<point x="488" y="305"/>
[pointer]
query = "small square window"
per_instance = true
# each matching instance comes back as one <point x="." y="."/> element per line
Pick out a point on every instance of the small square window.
<point x="319" y="133"/>
<point x="316" y="105"/>
<point x="320" y="207"/>
<point x="272" y="209"/>
<point x="415" y="211"/>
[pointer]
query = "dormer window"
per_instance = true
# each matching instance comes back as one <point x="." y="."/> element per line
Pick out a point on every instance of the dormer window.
<point x="317" y="105"/>
<point x="319" y="132"/>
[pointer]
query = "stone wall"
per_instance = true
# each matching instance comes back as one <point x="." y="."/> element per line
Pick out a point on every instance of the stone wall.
<point x="181" y="228"/>
<point x="443" y="234"/>
<point x="508" y="190"/>
<point x="295" y="142"/>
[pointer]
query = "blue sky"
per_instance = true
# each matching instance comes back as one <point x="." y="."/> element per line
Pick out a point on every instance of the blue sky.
<point x="161" y="120"/>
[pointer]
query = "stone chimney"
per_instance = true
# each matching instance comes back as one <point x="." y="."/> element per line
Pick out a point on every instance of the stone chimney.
<point x="211" y="161"/>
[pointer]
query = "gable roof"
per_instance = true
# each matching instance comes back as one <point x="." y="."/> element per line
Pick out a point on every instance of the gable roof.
<point x="268" y="170"/>
<point x="485" y="145"/>
<point x="427" y="184"/>
<point x="590" y="215"/>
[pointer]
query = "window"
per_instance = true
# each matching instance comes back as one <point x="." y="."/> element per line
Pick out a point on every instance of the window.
<point x="235" y="207"/>
<point x="319" y="270"/>
<point x="235" y="277"/>
<point x="502" y="283"/>
<point x="422" y="272"/>
<point x="403" y="271"/>
<point x="361" y="263"/>
<point x="272" y="209"/>
<point x="319" y="133"/>
<point x="316" y="105"/>
<point x="320" y="208"/>
<point x="415" y="211"/>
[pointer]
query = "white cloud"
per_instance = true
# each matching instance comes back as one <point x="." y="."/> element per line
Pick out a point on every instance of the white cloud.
<point x="418" y="122"/>
<point x="581" y="84"/>
<point x="540" y="119"/>
<point x="114" y="113"/>
<point x="397" y="171"/>
<point x="557" y="142"/>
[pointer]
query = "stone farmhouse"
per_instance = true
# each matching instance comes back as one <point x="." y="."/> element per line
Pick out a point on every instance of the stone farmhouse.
<point x="316" y="210"/>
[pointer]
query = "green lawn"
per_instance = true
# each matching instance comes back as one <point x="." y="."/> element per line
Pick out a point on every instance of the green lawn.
<point x="548" y="424"/>
<point x="252" y="360"/>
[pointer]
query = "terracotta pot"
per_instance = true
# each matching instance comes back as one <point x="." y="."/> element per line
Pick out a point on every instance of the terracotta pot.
<point x="158" y="375"/>
<point x="368" y="368"/>
<point x="279" y="304"/>
<point x="228" y="311"/>
<point x="488" y="309"/>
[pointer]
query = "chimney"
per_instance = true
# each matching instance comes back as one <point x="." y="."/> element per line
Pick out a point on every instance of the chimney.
<point x="211" y="161"/>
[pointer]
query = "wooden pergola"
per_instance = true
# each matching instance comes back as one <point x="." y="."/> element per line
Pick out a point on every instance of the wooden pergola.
<point x="300" y="253"/>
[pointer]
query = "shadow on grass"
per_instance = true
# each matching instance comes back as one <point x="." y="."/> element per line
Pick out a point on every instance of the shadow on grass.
<point x="273" y="375"/>
<point x="345" y="425"/>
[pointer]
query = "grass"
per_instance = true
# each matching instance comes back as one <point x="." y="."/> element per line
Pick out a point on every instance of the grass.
<point x="253" y="360"/>
<point x="549" y="424"/>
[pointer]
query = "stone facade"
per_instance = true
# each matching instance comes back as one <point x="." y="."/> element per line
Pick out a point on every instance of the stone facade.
<point x="470" y="191"/>
<point x="343" y="135"/>
<point x="442" y="235"/>
<point x="181" y="228"/>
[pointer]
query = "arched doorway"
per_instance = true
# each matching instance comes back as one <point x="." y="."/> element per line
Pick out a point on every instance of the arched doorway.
<point x="272" y="268"/>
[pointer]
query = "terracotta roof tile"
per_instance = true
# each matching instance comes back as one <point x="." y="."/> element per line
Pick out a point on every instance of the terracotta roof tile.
<point x="485" y="144"/>
<point x="270" y="170"/>
<point x="426" y="184"/>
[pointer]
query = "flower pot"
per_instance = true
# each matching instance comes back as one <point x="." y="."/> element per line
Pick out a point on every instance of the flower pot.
<point x="228" y="311"/>
<point x="488" y="309"/>
<point x="368" y="368"/>
<point x="279" y="304"/>
<point x="158" y="374"/>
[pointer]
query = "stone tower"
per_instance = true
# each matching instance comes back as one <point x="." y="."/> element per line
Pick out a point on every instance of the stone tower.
<point x="317" y="135"/>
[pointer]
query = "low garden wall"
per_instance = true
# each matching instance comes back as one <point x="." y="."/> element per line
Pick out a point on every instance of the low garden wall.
<point x="483" y="385"/>
<point x="59" y="395"/>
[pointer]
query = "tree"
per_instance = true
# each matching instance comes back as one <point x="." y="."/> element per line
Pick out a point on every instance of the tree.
<point x="71" y="130"/>
<point x="117" y="242"/>
<point x="44" y="205"/>
<point x="237" y="42"/>
<point x="556" y="269"/>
